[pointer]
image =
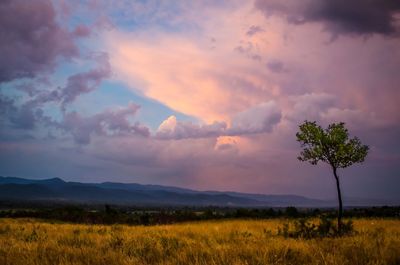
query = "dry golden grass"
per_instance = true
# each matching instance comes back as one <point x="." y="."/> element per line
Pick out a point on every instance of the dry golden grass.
<point x="27" y="241"/>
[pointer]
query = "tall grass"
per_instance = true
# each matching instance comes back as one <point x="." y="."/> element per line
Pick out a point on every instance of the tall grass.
<point x="28" y="241"/>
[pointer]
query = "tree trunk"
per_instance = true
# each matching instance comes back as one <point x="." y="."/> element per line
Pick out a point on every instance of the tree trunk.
<point x="340" y="212"/>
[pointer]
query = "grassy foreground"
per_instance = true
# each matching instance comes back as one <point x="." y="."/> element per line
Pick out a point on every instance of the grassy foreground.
<point x="28" y="241"/>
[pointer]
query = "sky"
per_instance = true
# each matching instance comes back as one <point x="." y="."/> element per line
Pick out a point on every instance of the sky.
<point x="205" y="95"/>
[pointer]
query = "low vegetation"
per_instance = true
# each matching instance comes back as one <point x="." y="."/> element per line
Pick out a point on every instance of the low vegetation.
<point x="31" y="241"/>
<point x="307" y="229"/>
<point x="154" y="216"/>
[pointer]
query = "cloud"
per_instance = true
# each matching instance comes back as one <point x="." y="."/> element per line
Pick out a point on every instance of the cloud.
<point x="107" y="123"/>
<point x="254" y="30"/>
<point x="226" y="143"/>
<point x="258" y="119"/>
<point x="6" y="105"/>
<point x="26" y="117"/>
<point x="356" y="17"/>
<point x="310" y="106"/>
<point x="249" y="50"/>
<point x="85" y="82"/>
<point x="185" y="74"/>
<point x="276" y="66"/>
<point x="171" y="71"/>
<point x="19" y="116"/>
<point x="325" y="108"/>
<point x="31" y="39"/>
<point x="30" y="115"/>
<point x="173" y="129"/>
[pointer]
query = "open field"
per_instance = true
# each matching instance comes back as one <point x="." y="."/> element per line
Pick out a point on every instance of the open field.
<point x="28" y="241"/>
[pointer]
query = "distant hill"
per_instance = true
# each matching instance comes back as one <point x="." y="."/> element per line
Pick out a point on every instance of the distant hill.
<point x="56" y="189"/>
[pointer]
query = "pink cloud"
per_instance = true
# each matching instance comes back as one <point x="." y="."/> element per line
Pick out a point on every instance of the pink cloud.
<point x="191" y="73"/>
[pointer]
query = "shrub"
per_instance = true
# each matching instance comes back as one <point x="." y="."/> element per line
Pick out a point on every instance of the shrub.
<point x="304" y="228"/>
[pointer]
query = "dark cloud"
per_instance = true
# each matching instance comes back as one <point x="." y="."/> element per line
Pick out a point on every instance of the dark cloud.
<point x="249" y="50"/>
<point x="21" y="116"/>
<point x="109" y="122"/>
<point x="258" y="119"/>
<point x="254" y="30"/>
<point x="26" y="117"/>
<point x="77" y="84"/>
<point x="276" y="67"/>
<point x="359" y="17"/>
<point x="14" y="116"/>
<point x="7" y="106"/>
<point x="27" y="114"/>
<point x="31" y="39"/>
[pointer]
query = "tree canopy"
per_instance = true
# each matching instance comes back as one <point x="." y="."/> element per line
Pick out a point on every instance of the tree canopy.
<point x="331" y="145"/>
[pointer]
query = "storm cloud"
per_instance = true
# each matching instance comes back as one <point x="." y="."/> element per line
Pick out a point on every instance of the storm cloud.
<point x="31" y="39"/>
<point x="355" y="17"/>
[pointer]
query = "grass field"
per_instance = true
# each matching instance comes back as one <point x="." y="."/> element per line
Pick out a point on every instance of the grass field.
<point x="27" y="241"/>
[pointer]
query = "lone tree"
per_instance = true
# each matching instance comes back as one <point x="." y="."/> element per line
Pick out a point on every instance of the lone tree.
<point x="333" y="146"/>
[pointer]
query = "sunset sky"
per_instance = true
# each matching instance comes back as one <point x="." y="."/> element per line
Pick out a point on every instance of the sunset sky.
<point x="199" y="94"/>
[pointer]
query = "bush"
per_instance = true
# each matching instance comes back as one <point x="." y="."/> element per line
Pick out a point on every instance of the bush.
<point x="304" y="228"/>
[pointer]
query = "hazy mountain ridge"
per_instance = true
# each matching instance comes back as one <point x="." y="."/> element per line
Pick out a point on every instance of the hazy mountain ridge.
<point x="55" y="189"/>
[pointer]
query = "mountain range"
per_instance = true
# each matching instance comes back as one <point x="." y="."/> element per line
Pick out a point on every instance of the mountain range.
<point x="58" y="190"/>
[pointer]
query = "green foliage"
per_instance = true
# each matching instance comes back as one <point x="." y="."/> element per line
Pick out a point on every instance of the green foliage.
<point x="304" y="228"/>
<point x="331" y="145"/>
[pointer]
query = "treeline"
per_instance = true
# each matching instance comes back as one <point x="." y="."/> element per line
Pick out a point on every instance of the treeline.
<point x="114" y="215"/>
